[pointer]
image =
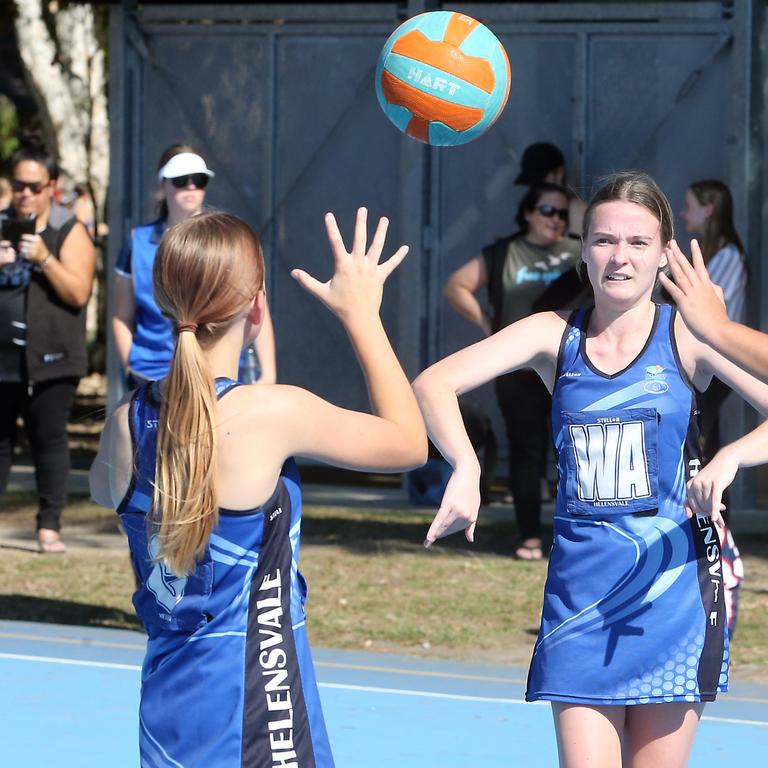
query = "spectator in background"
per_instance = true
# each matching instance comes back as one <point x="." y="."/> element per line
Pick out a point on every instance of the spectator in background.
<point x="83" y="207"/>
<point x="46" y="278"/>
<point x="545" y="162"/>
<point x="143" y="335"/>
<point x="516" y="270"/>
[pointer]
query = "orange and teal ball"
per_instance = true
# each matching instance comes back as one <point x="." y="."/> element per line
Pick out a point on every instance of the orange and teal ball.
<point x="443" y="78"/>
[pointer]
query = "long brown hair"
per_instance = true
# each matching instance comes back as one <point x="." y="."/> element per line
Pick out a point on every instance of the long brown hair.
<point x="719" y="229"/>
<point x="207" y="271"/>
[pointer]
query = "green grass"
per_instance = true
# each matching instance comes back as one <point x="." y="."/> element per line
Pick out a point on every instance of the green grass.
<point x="372" y="585"/>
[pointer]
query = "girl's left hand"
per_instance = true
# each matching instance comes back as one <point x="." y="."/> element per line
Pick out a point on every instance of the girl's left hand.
<point x="458" y="509"/>
<point x="698" y="299"/>
<point x="355" y="289"/>
<point x="705" y="490"/>
<point x="32" y="248"/>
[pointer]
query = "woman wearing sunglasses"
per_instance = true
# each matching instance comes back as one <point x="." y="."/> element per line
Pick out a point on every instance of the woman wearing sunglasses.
<point x="143" y="336"/>
<point x="47" y="263"/>
<point x="516" y="270"/>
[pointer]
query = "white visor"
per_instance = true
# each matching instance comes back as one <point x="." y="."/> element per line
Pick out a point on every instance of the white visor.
<point x="184" y="164"/>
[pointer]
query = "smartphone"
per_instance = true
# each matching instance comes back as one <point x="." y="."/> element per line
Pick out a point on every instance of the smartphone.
<point x="13" y="229"/>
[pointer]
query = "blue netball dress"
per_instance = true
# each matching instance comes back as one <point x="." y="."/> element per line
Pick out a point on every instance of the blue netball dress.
<point x="227" y="679"/>
<point x="633" y="604"/>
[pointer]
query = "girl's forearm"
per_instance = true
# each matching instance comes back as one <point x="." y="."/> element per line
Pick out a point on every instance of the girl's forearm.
<point x="750" y="450"/>
<point x="440" y="406"/>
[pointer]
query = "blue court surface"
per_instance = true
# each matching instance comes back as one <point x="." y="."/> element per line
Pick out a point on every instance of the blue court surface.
<point x="70" y="698"/>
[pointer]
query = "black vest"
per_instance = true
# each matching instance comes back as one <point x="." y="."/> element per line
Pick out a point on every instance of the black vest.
<point x="55" y="330"/>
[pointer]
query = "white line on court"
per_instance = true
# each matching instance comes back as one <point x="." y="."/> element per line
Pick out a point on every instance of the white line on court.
<point x="458" y="697"/>
<point x="418" y="672"/>
<point x="730" y="697"/>
<point x="735" y="721"/>
<point x="347" y="687"/>
<point x="72" y="662"/>
<point x="71" y="641"/>
<point x="427" y="694"/>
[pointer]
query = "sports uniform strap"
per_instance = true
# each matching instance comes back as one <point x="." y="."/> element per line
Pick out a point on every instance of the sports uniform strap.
<point x="669" y="326"/>
<point x="570" y="340"/>
<point x="664" y="333"/>
<point x="224" y="385"/>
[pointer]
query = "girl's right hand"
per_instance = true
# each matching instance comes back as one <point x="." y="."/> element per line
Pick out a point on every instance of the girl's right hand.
<point x="458" y="509"/>
<point x="358" y="279"/>
<point x="705" y="490"/>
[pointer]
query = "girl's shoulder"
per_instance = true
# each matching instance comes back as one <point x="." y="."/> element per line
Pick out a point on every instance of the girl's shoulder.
<point x="264" y="406"/>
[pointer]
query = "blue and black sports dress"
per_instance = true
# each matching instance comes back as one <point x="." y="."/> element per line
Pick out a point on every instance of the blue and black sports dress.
<point x="227" y="679"/>
<point x="633" y="604"/>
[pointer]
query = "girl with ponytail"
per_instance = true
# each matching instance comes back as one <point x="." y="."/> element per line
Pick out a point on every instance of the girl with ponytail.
<point x="199" y="469"/>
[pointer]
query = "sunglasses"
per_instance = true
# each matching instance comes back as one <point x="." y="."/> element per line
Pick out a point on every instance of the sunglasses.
<point x="198" y="180"/>
<point x="35" y="187"/>
<point x="549" y="211"/>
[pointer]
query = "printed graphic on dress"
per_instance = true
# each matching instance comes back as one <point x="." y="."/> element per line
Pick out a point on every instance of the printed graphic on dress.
<point x="166" y="586"/>
<point x="611" y="465"/>
<point x="612" y="458"/>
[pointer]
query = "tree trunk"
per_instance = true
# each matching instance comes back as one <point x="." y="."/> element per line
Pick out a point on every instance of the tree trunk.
<point x="66" y="73"/>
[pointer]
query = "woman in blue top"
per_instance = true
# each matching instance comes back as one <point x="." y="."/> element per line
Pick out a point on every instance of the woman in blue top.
<point x="143" y="337"/>
<point x="199" y="469"/>
<point x="633" y="608"/>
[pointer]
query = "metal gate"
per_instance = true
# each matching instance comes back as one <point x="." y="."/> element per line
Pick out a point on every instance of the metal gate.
<point x="281" y="99"/>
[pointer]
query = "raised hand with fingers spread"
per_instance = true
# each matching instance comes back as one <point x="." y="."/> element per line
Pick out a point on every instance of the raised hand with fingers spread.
<point x="698" y="299"/>
<point x="358" y="279"/>
<point x="700" y="303"/>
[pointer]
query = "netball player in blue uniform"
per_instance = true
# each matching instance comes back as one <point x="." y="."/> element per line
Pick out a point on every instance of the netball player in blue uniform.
<point x="632" y="638"/>
<point x="199" y="469"/>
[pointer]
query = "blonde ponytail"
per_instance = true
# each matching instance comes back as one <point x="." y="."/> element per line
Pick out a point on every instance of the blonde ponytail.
<point x="185" y="488"/>
<point x="207" y="271"/>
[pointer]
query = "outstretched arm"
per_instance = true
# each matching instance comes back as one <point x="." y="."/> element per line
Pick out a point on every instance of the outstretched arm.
<point x="531" y="342"/>
<point x="394" y="438"/>
<point x="705" y="315"/>
<point x="705" y="491"/>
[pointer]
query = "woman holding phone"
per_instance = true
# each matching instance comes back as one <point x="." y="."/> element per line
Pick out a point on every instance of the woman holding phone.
<point x="46" y="275"/>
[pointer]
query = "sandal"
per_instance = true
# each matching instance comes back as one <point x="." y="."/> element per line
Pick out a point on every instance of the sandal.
<point x="527" y="551"/>
<point x="49" y="542"/>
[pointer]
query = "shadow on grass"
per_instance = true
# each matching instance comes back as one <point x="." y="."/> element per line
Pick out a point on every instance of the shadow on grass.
<point x="46" y="611"/>
<point x="363" y="535"/>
